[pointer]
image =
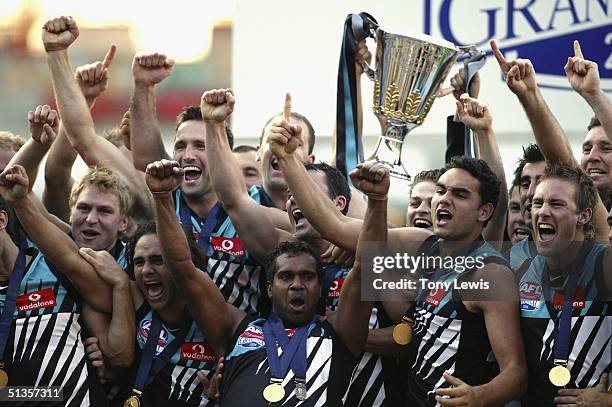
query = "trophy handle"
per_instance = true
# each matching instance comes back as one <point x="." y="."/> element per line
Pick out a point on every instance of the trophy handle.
<point x="364" y="26"/>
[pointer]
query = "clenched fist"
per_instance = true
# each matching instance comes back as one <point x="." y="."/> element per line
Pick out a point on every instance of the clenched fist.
<point x="44" y="124"/>
<point x="151" y="69"/>
<point x="59" y="33"/>
<point x="163" y="176"/>
<point x="217" y="105"/>
<point x="371" y="178"/>
<point x="14" y="184"/>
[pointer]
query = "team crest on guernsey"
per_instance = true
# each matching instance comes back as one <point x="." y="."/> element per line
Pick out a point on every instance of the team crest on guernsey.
<point x="251" y="338"/>
<point x="530" y="293"/>
<point x="33" y="301"/>
<point x="228" y="245"/>
<point x="143" y="335"/>
<point x="198" y="351"/>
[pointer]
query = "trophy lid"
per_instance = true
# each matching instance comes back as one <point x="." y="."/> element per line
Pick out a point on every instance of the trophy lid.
<point x="424" y="38"/>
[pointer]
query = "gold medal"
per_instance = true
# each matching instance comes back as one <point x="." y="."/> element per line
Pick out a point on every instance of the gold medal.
<point x="559" y="376"/>
<point x="3" y="378"/>
<point x="402" y="332"/>
<point x="273" y="393"/>
<point x="133" y="400"/>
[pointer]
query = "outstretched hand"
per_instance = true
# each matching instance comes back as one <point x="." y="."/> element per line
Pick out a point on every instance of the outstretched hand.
<point x="163" y="176"/>
<point x="518" y="73"/>
<point x="582" y="74"/>
<point x="44" y="124"/>
<point x="58" y="33"/>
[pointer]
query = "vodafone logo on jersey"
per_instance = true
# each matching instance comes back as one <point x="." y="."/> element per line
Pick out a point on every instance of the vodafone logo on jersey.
<point x="33" y="301"/>
<point x="228" y="245"/>
<point x="335" y="287"/>
<point x="578" y="303"/>
<point x="198" y="351"/>
<point x="435" y="296"/>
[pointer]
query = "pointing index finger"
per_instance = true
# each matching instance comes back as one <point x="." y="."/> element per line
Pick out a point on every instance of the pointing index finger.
<point x="577" y="49"/>
<point x="498" y="55"/>
<point x="287" y="109"/>
<point x="110" y="55"/>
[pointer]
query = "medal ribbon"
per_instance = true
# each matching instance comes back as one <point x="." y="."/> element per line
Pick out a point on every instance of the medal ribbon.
<point x="294" y="350"/>
<point x="150" y="364"/>
<point x="561" y="347"/>
<point x="11" y="296"/>
<point x="186" y="217"/>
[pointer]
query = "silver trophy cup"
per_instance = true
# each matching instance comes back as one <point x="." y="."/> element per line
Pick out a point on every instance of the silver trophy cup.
<point x="409" y="72"/>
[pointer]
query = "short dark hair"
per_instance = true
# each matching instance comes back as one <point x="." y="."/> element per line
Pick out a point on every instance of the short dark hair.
<point x="489" y="184"/>
<point x="426" y="176"/>
<point x="293" y="249"/>
<point x="193" y="112"/>
<point x="296" y="116"/>
<point x="198" y="259"/>
<point x="243" y="148"/>
<point x="336" y="183"/>
<point x="593" y="123"/>
<point x="531" y="155"/>
<point x="586" y="193"/>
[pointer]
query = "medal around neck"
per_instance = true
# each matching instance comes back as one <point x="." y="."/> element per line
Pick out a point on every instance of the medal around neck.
<point x="274" y="393"/>
<point x="402" y="332"/>
<point x="300" y="391"/>
<point x="3" y="378"/>
<point x="132" y="401"/>
<point x="559" y="375"/>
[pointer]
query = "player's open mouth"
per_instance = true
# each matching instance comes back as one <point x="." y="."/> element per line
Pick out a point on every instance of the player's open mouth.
<point x="421" y="223"/>
<point x="546" y="232"/>
<point x="191" y="173"/>
<point x="443" y="217"/>
<point x="154" y="290"/>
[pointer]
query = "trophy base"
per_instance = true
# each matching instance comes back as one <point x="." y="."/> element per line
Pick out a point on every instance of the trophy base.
<point x="395" y="170"/>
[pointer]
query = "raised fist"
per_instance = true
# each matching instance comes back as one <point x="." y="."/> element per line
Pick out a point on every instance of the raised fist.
<point x="93" y="78"/>
<point x="151" y="69"/>
<point x="59" y="33"/>
<point x="163" y="176"/>
<point x="44" y="124"/>
<point x="371" y="178"/>
<point x="14" y="184"/>
<point x="474" y="113"/>
<point x="518" y="74"/>
<point x="217" y="105"/>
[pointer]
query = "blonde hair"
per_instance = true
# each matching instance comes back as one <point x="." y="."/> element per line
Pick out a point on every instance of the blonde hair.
<point x="107" y="181"/>
<point x="10" y="141"/>
<point x="114" y="136"/>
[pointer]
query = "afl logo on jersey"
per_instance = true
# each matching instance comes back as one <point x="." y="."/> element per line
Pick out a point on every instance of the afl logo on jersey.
<point x="251" y="338"/>
<point x="530" y="293"/>
<point x="228" y="245"/>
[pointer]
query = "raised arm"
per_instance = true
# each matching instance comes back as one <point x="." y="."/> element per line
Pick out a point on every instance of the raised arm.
<point x="520" y="78"/>
<point x="147" y="71"/>
<point x="476" y="115"/>
<point x="350" y="320"/>
<point x="79" y="126"/>
<point x="583" y="75"/>
<point x="251" y="220"/>
<point x="54" y="243"/>
<point x="115" y="333"/>
<point x="215" y="318"/>
<point x="316" y="207"/>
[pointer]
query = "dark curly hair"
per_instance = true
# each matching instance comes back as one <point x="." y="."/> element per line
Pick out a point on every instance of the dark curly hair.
<point x="292" y="249"/>
<point x="489" y="185"/>
<point x="197" y="257"/>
